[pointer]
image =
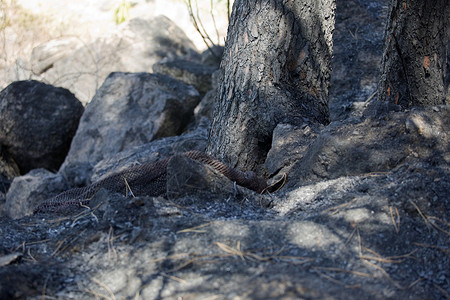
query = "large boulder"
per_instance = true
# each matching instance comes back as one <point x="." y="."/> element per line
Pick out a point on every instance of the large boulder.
<point x="8" y="170"/>
<point x="188" y="72"/>
<point x="45" y="55"/>
<point x="135" y="47"/>
<point x="38" y="123"/>
<point x="130" y="109"/>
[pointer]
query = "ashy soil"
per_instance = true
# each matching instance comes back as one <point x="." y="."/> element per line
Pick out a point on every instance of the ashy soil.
<point x="377" y="235"/>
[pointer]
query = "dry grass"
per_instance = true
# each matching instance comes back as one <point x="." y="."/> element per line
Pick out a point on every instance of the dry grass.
<point x="332" y="279"/>
<point x="196" y="229"/>
<point x="21" y="30"/>
<point x="128" y="190"/>
<point x="98" y="295"/>
<point x="440" y="248"/>
<point x="431" y="221"/>
<point x="335" y="209"/>
<point x="227" y="251"/>
<point x="64" y="244"/>
<point x="112" y="253"/>
<point x="395" y="219"/>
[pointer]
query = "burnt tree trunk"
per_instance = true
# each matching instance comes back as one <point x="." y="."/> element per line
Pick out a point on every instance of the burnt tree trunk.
<point x="415" y="53"/>
<point x="276" y="68"/>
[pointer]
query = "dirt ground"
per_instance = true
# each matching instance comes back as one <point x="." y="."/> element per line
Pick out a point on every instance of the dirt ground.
<point x="379" y="236"/>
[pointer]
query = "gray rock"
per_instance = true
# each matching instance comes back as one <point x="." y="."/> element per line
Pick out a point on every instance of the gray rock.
<point x="213" y="56"/>
<point x="45" y="55"/>
<point x="186" y="177"/>
<point x="135" y="47"/>
<point x="28" y="190"/>
<point x="205" y="109"/>
<point x="38" y="123"/>
<point x="374" y="145"/>
<point x="129" y="110"/>
<point x="289" y="144"/>
<point x="188" y="72"/>
<point x="194" y="140"/>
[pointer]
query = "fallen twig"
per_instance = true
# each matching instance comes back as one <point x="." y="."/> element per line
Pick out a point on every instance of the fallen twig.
<point x="349" y="238"/>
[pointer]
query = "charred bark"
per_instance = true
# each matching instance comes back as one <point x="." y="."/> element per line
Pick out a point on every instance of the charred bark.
<point x="415" y="53"/>
<point x="276" y="68"/>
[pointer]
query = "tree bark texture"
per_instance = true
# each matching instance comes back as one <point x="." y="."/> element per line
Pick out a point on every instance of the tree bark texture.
<point x="276" y="68"/>
<point x="415" y="53"/>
